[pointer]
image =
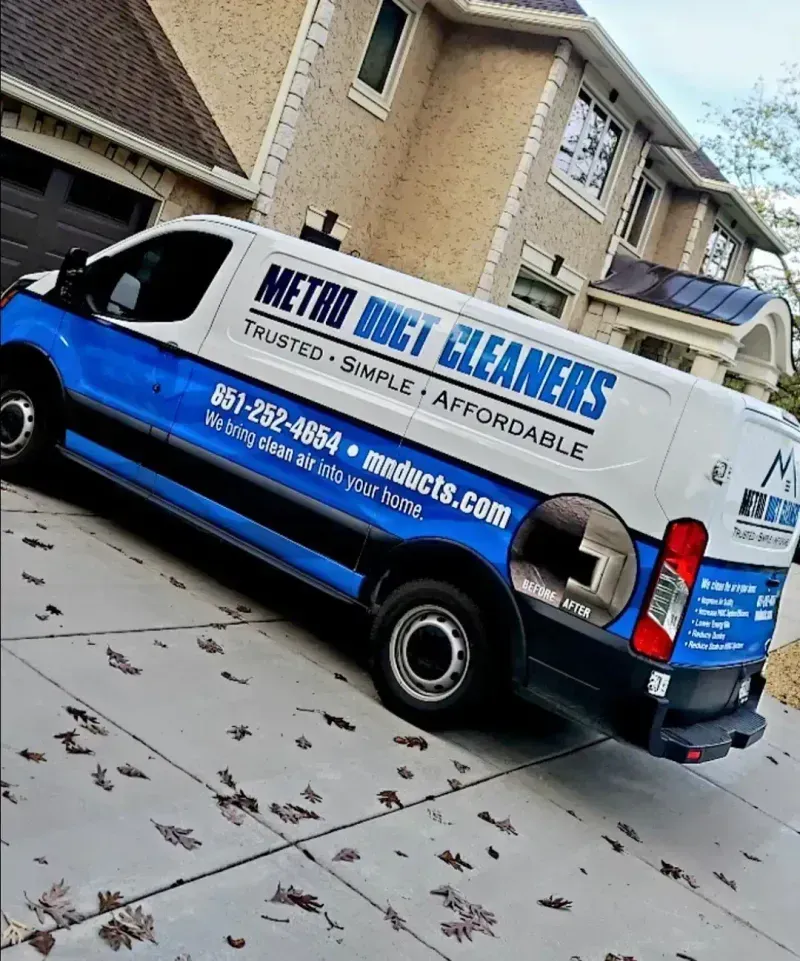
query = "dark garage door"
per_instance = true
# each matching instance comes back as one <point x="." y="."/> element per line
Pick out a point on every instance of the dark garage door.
<point x="48" y="207"/>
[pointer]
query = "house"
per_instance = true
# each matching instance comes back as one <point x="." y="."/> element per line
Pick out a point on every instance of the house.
<point x="507" y="149"/>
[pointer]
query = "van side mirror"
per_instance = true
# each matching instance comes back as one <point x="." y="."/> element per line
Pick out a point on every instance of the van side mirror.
<point x="69" y="283"/>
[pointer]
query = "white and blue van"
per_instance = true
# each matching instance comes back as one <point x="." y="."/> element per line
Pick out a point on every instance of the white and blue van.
<point x="513" y="503"/>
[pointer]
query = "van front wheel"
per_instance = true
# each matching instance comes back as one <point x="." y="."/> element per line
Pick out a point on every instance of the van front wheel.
<point x="25" y="435"/>
<point x="430" y="653"/>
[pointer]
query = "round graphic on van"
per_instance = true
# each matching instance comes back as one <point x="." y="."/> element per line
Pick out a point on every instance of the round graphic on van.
<point x="574" y="553"/>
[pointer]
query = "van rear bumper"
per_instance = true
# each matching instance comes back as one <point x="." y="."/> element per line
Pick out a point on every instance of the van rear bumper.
<point x="585" y="673"/>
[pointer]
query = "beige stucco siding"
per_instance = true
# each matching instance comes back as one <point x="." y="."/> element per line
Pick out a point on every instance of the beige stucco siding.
<point x="551" y="221"/>
<point x="677" y="223"/>
<point x="344" y="158"/>
<point x="192" y="197"/>
<point x="236" y="52"/>
<point x="440" y="219"/>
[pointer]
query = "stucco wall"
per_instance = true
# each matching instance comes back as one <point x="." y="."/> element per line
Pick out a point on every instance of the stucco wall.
<point x="743" y="259"/>
<point x="552" y="221"/>
<point x="235" y="51"/>
<point x="344" y="158"/>
<point x="676" y="226"/>
<point x="191" y="197"/>
<point x="699" y="251"/>
<point x="439" y="221"/>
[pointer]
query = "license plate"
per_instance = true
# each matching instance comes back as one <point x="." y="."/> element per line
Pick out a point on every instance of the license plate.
<point x="744" y="690"/>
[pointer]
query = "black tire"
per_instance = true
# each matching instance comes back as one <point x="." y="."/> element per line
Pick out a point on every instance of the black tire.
<point x="407" y="631"/>
<point x="25" y="426"/>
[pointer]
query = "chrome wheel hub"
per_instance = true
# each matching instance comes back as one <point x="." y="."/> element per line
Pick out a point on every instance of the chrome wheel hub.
<point x="17" y="421"/>
<point x="429" y="653"/>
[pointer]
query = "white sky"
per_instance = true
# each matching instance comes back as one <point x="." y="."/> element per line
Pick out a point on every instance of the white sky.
<point x="692" y="51"/>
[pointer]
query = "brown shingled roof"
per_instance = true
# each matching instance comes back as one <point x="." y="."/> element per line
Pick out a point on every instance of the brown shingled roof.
<point x="546" y="6"/>
<point x="112" y="58"/>
<point x="704" y="166"/>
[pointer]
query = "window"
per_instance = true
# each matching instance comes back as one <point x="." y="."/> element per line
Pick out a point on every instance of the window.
<point x="103" y="197"/>
<point x="590" y="144"/>
<point x="531" y="291"/>
<point x="637" y="222"/>
<point x="163" y="279"/>
<point x="720" y="251"/>
<point x="28" y="168"/>
<point x="380" y="66"/>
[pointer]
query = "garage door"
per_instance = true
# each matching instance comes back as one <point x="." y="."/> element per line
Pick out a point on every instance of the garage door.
<point x="48" y="207"/>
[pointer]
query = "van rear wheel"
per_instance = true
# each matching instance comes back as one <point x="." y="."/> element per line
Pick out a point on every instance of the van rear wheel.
<point x="430" y="653"/>
<point x="25" y="435"/>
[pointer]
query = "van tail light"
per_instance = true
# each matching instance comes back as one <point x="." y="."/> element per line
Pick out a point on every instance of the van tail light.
<point x="673" y="579"/>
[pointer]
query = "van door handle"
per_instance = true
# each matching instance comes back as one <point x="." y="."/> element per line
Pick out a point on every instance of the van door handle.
<point x="170" y="347"/>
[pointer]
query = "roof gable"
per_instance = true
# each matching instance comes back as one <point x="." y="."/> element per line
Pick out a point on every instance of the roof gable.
<point x="113" y="60"/>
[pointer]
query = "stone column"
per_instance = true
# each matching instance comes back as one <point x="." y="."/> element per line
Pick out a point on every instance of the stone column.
<point x="757" y="391"/>
<point x="618" y="336"/>
<point x="707" y="367"/>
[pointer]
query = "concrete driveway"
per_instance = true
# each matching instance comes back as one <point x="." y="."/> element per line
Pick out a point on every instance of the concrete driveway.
<point x="211" y="675"/>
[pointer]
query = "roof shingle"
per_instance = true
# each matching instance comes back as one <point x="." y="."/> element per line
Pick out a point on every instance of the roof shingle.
<point x="703" y="165"/>
<point x="546" y="6"/>
<point x="112" y="58"/>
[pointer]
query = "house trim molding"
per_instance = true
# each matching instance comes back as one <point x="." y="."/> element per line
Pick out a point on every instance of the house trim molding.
<point x="511" y="208"/>
<point x="217" y="177"/>
<point x="691" y="239"/>
<point x="616" y="237"/>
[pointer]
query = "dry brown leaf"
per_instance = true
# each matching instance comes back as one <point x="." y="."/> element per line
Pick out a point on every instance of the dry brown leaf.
<point x="209" y="645"/>
<point x="41" y="860"/>
<point x="619" y="848"/>
<point x="128" y="770"/>
<point x="505" y="826"/>
<point x="177" y="835"/>
<point x="158" y="643"/>
<point x="454" y="860"/>
<point x="559" y="904"/>
<point x="238" y="680"/>
<point x="455" y="784"/>
<point x="412" y="740"/>
<point x="303" y="742"/>
<point x="109" y="901"/>
<point x="339" y="722"/>
<point x="292" y="895"/>
<point x="731" y="883"/>
<point x="459" y="929"/>
<point x="100" y="779"/>
<point x="347" y="854"/>
<point x="461" y="768"/>
<point x="55" y="904"/>
<point x="405" y="773"/>
<point x="389" y="799"/>
<point x="32" y="755"/>
<point x="239" y="731"/>
<point x="492" y="853"/>
<point x="751" y="857"/>
<point x="10" y="797"/>
<point x="35" y="542"/>
<point x="398" y="923"/>
<point x="311" y="795"/>
<point x="235" y="942"/>
<point x="121" y="662"/>
<point x="227" y="779"/>
<point x="43" y="941"/>
<point x="38" y="581"/>
<point x="629" y="831"/>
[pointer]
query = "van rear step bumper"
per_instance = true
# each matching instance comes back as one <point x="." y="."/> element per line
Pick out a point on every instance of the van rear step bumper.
<point x="709" y="740"/>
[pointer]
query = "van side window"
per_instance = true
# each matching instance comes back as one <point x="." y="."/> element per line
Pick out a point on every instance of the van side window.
<point x="162" y="279"/>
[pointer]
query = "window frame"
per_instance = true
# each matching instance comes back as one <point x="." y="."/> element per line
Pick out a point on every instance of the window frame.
<point x="722" y="227"/>
<point x="596" y="207"/>
<point x="360" y="92"/>
<point x="538" y="264"/>
<point x="644" y="239"/>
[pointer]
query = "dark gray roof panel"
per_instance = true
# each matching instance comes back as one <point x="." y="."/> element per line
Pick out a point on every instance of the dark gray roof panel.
<point x="704" y="166"/>
<point x="677" y="290"/>
<point x="546" y="6"/>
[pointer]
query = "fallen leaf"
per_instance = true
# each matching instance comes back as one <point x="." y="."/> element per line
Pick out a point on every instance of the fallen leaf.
<point x="332" y="925"/>
<point x="394" y="919"/>
<point x="505" y="826"/>
<point x="157" y="643"/>
<point x="304" y="812"/>
<point x="292" y="813"/>
<point x="412" y="740"/>
<point x="292" y="895"/>
<point x="38" y="581"/>
<point x="35" y="542"/>
<point x="235" y="942"/>
<point x="32" y="756"/>
<point x="87" y="721"/>
<point x="73" y="747"/>
<point x="234" y="814"/>
<point x="10" y="797"/>
<point x="14" y="931"/>
<point x="43" y="941"/>
<point x="436" y="816"/>
<point x="339" y="722"/>
<point x="454" y="860"/>
<point x="769" y="757"/>
<point x="128" y="770"/>
<point x="52" y="609"/>
<point x="121" y="662"/>
<point x="619" y="957"/>
<point x="340" y="677"/>
<point x="40" y="860"/>
<point x="671" y="870"/>
<point x="303" y="743"/>
<point x="619" y="848"/>
<point x="492" y="853"/>
<point x="629" y="831"/>
<point x="100" y="779"/>
<point x="109" y="901"/>
<point x="751" y="857"/>
<point x="227" y="779"/>
<point x="454" y="783"/>
<point x="55" y="904"/>
<point x="239" y="731"/>
<point x="584" y="871"/>
<point x="311" y="795"/>
<point x="116" y="935"/>
<point x="237" y="680"/>
<point x="129" y="926"/>
<point x="176" y="583"/>
<point x="731" y="883"/>
<point x="266" y="917"/>
<point x="42" y="617"/>
<point x="461" y="768"/>
<point x="209" y="645"/>
<point x="560" y="904"/>
<point x="401" y="854"/>
<point x="244" y="609"/>
<point x="458" y="929"/>
<point x="177" y="835"/>
<point x="347" y="854"/>
<point x="389" y="799"/>
<point x="569" y="811"/>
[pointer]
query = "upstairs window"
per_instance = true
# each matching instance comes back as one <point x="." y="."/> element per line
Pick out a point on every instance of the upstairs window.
<point x="720" y="253"/>
<point x="589" y="146"/>
<point x="637" y="222"/>
<point x="382" y="61"/>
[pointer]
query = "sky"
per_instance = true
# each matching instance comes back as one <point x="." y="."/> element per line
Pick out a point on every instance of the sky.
<point x="692" y="51"/>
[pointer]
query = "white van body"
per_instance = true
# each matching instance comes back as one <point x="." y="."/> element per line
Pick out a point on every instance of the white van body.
<point x="332" y="416"/>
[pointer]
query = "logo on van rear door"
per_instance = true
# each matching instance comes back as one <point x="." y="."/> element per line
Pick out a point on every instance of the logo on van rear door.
<point x="769" y="519"/>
